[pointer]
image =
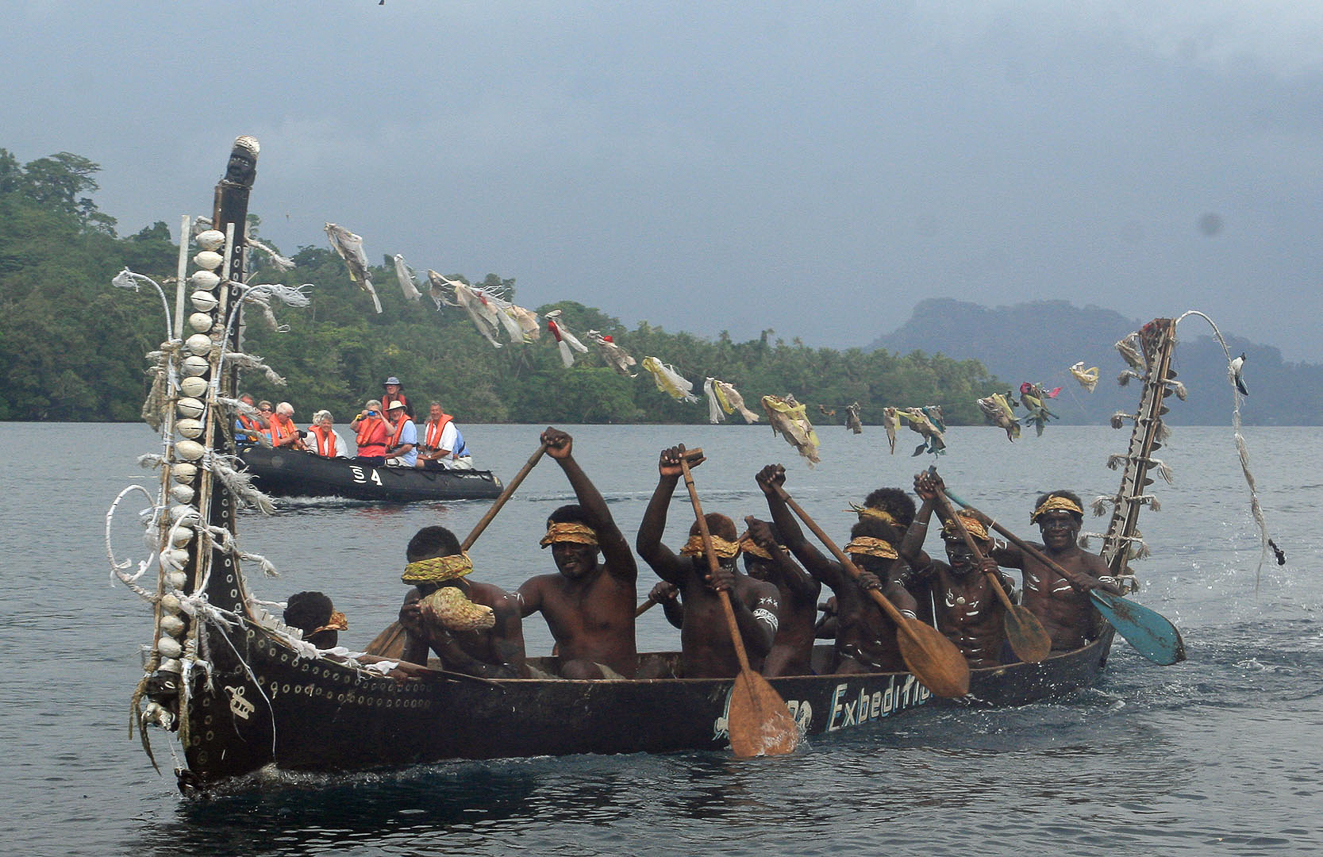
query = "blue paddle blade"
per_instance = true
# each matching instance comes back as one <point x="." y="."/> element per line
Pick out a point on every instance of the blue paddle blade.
<point x="1152" y="635"/>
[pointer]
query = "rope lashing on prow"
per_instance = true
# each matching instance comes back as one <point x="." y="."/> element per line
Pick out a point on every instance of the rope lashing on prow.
<point x="1256" y="510"/>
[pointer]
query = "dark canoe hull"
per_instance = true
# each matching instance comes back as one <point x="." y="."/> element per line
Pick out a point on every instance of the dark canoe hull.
<point x="282" y="473"/>
<point x="317" y="715"/>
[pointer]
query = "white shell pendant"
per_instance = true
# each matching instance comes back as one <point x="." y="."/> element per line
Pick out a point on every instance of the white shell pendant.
<point x="211" y="239"/>
<point x="209" y="259"/>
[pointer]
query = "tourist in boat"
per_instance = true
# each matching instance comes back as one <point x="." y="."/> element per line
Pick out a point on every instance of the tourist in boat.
<point x="401" y="449"/>
<point x="766" y="559"/>
<point x="284" y="434"/>
<point x="442" y="444"/>
<point x="394" y="393"/>
<point x="315" y="615"/>
<point x="249" y="429"/>
<point x="865" y="635"/>
<point x="265" y="413"/>
<point x="968" y="611"/>
<point x="371" y="433"/>
<point x="474" y="628"/>
<point x="588" y="604"/>
<point x="325" y="440"/>
<point x="1067" y="614"/>
<point x="706" y="650"/>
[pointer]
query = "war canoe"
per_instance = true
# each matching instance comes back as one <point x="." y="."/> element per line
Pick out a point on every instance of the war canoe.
<point x="288" y="473"/>
<point x="267" y="705"/>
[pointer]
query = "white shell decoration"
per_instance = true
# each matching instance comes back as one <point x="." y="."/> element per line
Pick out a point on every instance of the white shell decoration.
<point x="194" y="366"/>
<point x="204" y="301"/>
<point x="211" y="239"/>
<point x="174" y="558"/>
<point x="199" y="343"/>
<point x="200" y="321"/>
<point x="177" y="579"/>
<point x="170" y="665"/>
<point x="193" y="387"/>
<point x="189" y="450"/>
<point x="189" y="428"/>
<point x="190" y="407"/>
<point x="183" y="512"/>
<point x="172" y="625"/>
<point x="209" y="259"/>
<point x="183" y="472"/>
<point x="170" y="604"/>
<point x="207" y="280"/>
<point x="180" y="536"/>
<point x="182" y="493"/>
<point x="169" y="648"/>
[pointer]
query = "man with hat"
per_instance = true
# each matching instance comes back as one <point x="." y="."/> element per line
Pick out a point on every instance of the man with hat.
<point x="968" y="611"/>
<point x="705" y="645"/>
<point x="395" y="394"/>
<point x="474" y="628"/>
<point x="402" y="447"/>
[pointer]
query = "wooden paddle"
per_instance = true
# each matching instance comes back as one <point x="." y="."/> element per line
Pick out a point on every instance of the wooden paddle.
<point x="1151" y="633"/>
<point x="1027" y="636"/>
<point x="759" y="722"/>
<point x="644" y="607"/>
<point x="390" y="642"/>
<point x="932" y="658"/>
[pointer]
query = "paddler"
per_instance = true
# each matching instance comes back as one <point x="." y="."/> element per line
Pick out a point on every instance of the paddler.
<point x="895" y="507"/>
<point x="706" y="650"/>
<point x="968" y="611"/>
<point x="865" y="635"/>
<point x="766" y="559"/>
<point x="588" y="603"/>
<point x="474" y="628"/>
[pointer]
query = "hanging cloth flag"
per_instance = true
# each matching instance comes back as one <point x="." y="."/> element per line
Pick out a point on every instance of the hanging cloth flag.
<point x="716" y="409"/>
<point x="483" y="319"/>
<point x="1088" y="378"/>
<point x="405" y="275"/>
<point x="933" y="439"/>
<point x="613" y="355"/>
<point x="789" y="419"/>
<point x="436" y="288"/>
<point x="564" y="339"/>
<point x="501" y="314"/>
<point x="891" y="422"/>
<point x="669" y="381"/>
<point x="528" y="322"/>
<point x="998" y="411"/>
<point x="1032" y="396"/>
<point x="732" y="401"/>
<point x="350" y="248"/>
<point x="852" y="421"/>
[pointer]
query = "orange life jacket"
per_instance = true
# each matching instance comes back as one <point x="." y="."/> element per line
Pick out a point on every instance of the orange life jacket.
<point x="371" y="436"/>
<point x="252" y="425"/>
<point x="280" y="431"/>
<point x="433" y="431"/>
<point x="325" y="441"/>
<point x="399" y="429"/>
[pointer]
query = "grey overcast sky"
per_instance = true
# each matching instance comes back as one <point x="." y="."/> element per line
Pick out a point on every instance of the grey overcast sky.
<point x="812" y="167"/>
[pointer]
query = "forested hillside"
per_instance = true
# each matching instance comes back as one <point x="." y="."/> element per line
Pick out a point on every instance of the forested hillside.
<point x="71" y="346"/>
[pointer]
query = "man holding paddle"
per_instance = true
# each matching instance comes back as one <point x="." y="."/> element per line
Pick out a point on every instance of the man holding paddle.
<point x="766" y="559"/>
<point x="705" y="639"/>
<point x="588" y="605"/>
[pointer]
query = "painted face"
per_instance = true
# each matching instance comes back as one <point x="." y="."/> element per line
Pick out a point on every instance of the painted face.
<point x="573" y="559"/>
<point x="1059" y="528"/>
<point x="757" y="567"/>
<point x="960" y="557"/>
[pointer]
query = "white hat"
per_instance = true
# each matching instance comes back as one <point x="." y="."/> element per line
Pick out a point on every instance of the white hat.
<point x="394" y="405"/>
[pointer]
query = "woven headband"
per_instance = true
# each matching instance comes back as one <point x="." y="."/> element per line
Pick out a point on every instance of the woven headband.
<point x="870" y="546"/>
<point x="337" y="622"/>
<point x="1056" y="504"/>
<point x="976" y="528"/>
<point x="721" y="547"/>
<point x="865" y="512"/>
<point x="437" y="569"/>
<point x="580" y="534"/>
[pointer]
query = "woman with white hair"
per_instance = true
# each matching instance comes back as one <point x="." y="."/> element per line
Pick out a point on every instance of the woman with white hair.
<point x="326" y="440"/>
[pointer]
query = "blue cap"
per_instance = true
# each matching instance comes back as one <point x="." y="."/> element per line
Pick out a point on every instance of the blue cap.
<point x="393" y="380"/>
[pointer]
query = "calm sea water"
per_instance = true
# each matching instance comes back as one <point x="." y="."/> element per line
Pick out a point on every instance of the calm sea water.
<point x="1220" y="755"/>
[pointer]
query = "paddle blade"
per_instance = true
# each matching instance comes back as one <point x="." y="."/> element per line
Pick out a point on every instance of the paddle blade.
<point x="1151" y="633"/>
<point x="1027" y="636"/>
<point x="759" y="724"/>
<point x="389" y="643"/>
<point x="933" y="659"/>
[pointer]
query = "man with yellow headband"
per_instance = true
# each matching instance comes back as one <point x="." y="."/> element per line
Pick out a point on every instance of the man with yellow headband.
<point x="968" y="611"/>
<point x="474" y="628"/>
<point x="588" y="604"/>
<point x="765" y="558"/>
<point x="865" y="635"/>
<point x="705" y="644"/>
<point x="895" y="507"/>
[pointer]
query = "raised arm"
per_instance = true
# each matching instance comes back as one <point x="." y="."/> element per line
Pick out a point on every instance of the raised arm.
<point x="615" y="549"/>
<point x="800" y="583"/>
<point x="668" y="566"/>
<point x="821" y="567"/>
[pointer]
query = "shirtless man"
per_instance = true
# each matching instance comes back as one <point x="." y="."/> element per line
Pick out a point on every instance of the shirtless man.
<point x="765" y="559"/>
<point x="865" y="635"/>
<point x="588" y="605"/>
<point x="706" y="649"/>
<point x="435" y="561"/>
<point x="895" y="507"/>
<point x="1066" y="614"/>
<point x="969" y="613"/>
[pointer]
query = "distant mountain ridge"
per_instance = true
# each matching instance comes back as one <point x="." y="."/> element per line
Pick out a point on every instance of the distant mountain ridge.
<point x="1038" y="342"/>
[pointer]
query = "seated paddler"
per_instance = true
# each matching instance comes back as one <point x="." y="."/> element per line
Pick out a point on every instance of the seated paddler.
<point x="589" y="602"/>
<point x="705" y="644"/>
<point x="473" y="628"/>
<point x="765" y="558"/>
<point x="315" y="615"/>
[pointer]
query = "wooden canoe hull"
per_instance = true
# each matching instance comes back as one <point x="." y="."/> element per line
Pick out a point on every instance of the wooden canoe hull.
<point x="285" y="473"/>
<point x="318" y="715"/>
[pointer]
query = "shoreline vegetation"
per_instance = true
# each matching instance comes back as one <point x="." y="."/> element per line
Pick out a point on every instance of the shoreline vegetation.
<point x="72" y="346"/>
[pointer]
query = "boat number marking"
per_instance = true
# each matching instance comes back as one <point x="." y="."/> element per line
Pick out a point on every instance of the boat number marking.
<point x="361" y="477"/>
<point x="239" y="705"/>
